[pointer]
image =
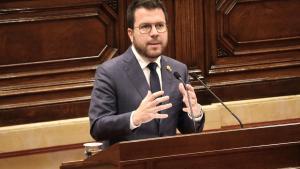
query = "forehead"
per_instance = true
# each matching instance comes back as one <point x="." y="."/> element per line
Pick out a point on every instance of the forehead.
<point x="143" y="15"/>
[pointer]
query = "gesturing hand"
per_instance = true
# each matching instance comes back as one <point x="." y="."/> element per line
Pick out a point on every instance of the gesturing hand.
<point x="149" y="108"/>
<point x="196" y="108"/>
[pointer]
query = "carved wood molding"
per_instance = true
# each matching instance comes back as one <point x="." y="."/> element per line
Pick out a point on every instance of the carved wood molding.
<point x="113" y="4"/>
<point x="49" y="51"/>
<point x="243" y="45"/>
<point x="270" y="67"/>
<point x="255" y="27"/>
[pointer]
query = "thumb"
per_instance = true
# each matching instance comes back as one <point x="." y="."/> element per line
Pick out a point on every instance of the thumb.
<point x="181" y="89"/>
<point x="147" y="96"/>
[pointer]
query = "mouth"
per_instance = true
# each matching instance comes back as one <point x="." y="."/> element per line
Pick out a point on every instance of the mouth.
<point x="154" y="43"/>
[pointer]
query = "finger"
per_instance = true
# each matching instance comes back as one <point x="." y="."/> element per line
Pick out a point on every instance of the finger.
<point x="159" y="116"/>
<point x="181" y="89"/>
<point x="191" y="91"/>
<point x="162" y="107"/>
<point x="147" y="97"/>
<point x="196" y="112"/>
<point x="188" y="96"/>
<point x="185" y="100"/>
<point x="192" y="94"/>
<point x="156" y="94"/>
<point x="192" y="100"/>
<point x="190" y="87"/>
<point x="186" y="109"/>
<point x="160" y="100"/>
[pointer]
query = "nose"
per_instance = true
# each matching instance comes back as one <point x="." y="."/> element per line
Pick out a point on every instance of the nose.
<point x="153" y="31"/>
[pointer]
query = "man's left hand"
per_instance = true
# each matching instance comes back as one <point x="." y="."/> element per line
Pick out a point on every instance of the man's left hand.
<point x="193" y="98"/>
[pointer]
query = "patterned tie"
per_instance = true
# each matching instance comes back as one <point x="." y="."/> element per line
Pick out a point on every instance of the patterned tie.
<point x="154" y="80"/>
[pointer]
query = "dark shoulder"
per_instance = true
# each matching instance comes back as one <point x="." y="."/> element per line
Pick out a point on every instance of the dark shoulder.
<point x="115" y="64"/>
<point x="174" y="63"/>
<point x="112" y="63"/>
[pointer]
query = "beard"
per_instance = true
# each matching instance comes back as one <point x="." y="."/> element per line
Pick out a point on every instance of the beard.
<point x="151" y="50"/>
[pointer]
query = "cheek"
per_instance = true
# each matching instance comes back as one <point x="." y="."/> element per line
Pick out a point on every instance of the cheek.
<point x="165" y="38"/>
<point x="139" y="40"/>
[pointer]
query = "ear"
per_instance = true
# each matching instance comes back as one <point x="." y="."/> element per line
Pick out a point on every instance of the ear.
<point x="130" y="34"/>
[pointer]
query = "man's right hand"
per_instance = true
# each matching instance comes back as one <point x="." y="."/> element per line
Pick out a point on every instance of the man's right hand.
<point x="149" y="108"/>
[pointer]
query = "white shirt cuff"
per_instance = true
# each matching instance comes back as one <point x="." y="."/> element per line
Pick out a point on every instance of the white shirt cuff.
<point x="197" y="118"/>
<point x="132" y="126"/>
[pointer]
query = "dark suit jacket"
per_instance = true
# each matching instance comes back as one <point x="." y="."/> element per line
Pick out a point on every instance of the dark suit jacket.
<point x="120" y="86"/>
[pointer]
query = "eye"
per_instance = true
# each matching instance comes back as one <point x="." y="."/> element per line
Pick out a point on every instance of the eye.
<point x="145" y="26"/>
<point x="159" y="25"/>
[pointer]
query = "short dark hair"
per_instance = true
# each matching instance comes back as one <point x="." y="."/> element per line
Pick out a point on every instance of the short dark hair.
<point x="148" y="4"/>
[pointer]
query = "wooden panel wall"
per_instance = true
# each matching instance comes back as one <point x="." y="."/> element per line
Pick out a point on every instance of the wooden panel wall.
<point x="252" y="48"/>
<point x="49" y="50"/>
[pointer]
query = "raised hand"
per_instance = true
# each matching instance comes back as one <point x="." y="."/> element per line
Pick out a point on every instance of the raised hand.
<point x="193" y="98"/>
<point x="149" y="108"/>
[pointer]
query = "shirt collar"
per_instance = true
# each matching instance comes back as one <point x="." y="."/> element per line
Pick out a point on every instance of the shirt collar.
<point x="143" y="61"/>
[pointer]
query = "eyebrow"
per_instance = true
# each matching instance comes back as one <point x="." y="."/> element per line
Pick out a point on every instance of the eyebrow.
<point x="151" y="23"/>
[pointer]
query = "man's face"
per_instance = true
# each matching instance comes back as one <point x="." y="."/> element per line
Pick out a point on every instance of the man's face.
<point x="150" y="44"/>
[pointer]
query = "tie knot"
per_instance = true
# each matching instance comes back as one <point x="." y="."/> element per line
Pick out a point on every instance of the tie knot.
<point x="152" y="66"/>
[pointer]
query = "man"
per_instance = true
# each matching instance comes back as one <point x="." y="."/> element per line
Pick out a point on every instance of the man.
<point x="135" y="95"/>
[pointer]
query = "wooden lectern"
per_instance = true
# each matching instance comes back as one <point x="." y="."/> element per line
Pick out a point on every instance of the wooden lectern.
<point x="252" y="148"/>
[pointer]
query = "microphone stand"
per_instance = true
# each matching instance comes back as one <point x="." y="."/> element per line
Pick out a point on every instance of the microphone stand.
<point x="235" y="116"/>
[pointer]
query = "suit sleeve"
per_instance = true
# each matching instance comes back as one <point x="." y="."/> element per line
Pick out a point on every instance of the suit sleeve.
<point x="185" y="123"/>
<point x="105" y="121"/>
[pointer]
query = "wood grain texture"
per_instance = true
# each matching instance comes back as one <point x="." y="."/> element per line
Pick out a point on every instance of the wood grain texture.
<point x="251" y="43"/>
<point x="261" y="147"/>
<point x="49" y="50"/>
<point x="49" y="53"/>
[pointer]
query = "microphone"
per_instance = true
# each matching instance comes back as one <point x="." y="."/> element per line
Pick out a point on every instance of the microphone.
<point x="177" y="76"/>
<point x="198" y="77"/>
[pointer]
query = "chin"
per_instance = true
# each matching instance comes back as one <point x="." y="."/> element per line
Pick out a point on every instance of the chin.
<point x="154" y="55"/>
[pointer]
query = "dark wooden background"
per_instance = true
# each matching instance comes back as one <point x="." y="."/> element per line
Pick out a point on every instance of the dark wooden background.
<point x="49" y="50"/>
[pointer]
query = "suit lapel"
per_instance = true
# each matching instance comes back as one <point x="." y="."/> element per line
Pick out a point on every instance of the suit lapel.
<point x="166" y="76"/>
<point x="135" y="73"/>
